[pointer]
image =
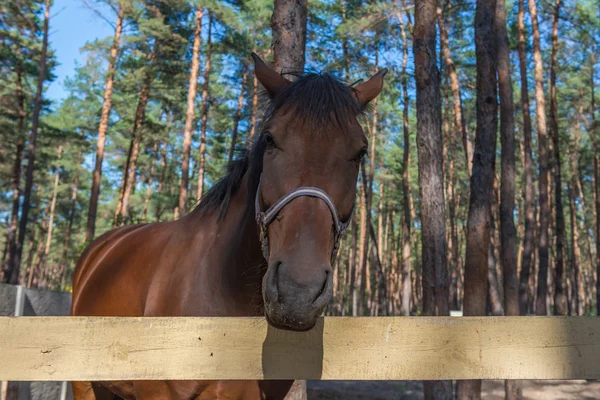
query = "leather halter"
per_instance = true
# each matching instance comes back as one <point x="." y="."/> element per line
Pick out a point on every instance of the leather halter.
<point x="263" y="219"/>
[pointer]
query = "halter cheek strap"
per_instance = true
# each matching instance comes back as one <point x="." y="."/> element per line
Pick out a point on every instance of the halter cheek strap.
<point x="263" y="219"/>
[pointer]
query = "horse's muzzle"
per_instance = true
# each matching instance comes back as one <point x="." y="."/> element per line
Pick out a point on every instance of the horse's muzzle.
<point x="294" y="305"/>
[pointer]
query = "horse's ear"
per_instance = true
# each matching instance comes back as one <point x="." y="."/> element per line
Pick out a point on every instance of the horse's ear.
<point x="271" y="80"/>
<point x="370" y="89"/>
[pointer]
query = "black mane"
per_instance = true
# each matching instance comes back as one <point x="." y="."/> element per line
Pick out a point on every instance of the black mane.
<point x="318" y="97"/>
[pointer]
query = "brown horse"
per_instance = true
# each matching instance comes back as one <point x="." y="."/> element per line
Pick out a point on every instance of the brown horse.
<point x="261" y="241"/>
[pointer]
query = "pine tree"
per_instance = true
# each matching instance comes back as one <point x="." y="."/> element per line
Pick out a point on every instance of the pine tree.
<point x="435" y="273"/>
<point x="189" y="116"/>
<point x="482" y="178"/>
<point x="12" y="275"/>
<point x="103" y="128"/>
<point x="540" y="101"/>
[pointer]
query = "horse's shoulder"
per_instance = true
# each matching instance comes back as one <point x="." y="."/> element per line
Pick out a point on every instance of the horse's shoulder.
<point x="97" y="246"/>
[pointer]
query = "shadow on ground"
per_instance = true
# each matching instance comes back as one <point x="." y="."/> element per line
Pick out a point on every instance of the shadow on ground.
<point x="492" y="390"/>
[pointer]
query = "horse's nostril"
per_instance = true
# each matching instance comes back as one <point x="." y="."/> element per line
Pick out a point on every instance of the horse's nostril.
<point x="323" y="286"/>
<point x="272" y="283"/>
<point x="276" y="274"/>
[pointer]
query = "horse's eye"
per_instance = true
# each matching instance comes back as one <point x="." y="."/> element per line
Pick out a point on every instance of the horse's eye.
<point x="363" y="152"/>
<point x="269" y="140"/>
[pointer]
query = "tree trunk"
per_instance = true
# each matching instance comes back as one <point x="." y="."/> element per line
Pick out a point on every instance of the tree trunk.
<point x="525" y="294"/>
<point x="534" y="274"/>
<point x="353" y="270"/>
<point x="385" y="246"/>
<point x="388" y="250"/>
<point x="431" y="176"/>
<point x="161" y="181"/>
<point x="117" y="217"/>
<point x="136" y="142"/>
<point x="189" y="118"/>
<point x="381" y="216"/>
<point x="149" y="183"/>
<point x="336" y="267"/>
<point x="12" y="276"/>
<point x="36" y="249"/>
<point x="381" y="281"/>
<point x="574" y="157"/>
<point x="205" y="100"/>
<point x="363" y="276"/>
<point x="507" y="184"/>
<point x="381" y="251"/>
<point x="540" y="100"/>
<point x="449" y="147"/>
<point x="347" y="276"/>
<point x="32" y="251"/>
<point x="288" y="24"/>
<point x="395" y="288"/>
<point x="238" y="115"/>
<point x="594" y="136"/>
<point x="52" y="208"/>
<point x="34" y="265"/>
<point x="482" y="178"/>
<point x="69" y="229"/>
<point x="370" y="179"/>
<point x="129" y="172"/>
<point x="254" y="111"/>
<point x="571" y="291"/>
<point x="578" y="289"/>
<point x="459" y="118"/>
<point x="508" y="232"/>
<point x="102" y="129"/>
<point x="551" y="236"/>
<point x="560" y="298"/>
<point x="521" y="210"/>
<point x="406" y="203"/>
<point x="494" y="285"/>
<point x="11" y="236"/>
<point x="345" y="44"/>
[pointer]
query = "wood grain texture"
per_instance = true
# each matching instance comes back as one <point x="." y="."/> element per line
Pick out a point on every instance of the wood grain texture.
<point x="386" y="348"/>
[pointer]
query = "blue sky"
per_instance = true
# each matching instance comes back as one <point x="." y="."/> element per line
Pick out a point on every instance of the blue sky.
<point x="72" y="25"/>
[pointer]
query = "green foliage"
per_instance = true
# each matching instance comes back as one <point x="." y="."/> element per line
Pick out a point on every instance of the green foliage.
<point x="340" y="35"/>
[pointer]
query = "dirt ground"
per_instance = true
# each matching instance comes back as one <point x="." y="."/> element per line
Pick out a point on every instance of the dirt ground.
<point x="404" y="390"/>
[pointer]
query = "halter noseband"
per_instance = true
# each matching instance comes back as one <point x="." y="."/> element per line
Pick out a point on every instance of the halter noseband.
<point x="263" y="219"/>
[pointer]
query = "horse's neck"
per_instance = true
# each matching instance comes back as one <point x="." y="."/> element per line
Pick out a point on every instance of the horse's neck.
<point x="243" y="264"/>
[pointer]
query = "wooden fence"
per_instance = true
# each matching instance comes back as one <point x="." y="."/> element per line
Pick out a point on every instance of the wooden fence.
<point x="381" y="348"/>
<point x="19" y="301"/>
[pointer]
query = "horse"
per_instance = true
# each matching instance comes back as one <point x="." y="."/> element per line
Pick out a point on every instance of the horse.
<point x="261" y="242"/>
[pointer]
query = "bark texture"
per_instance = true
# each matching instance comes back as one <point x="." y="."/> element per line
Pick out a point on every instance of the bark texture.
<point x="540" y="110"/>
<point x="431" y="175"/>
<point x="205" y="101"/>
<point x="11" y="236"/>
<point x="103" y="129"/>
<point x="482" y="178"/>
<point x="406" y="203"/>
<point x="189" y="118"/>
<point x="12" y="275"/>
<point x="560" y="295"/>
<point x="288" y="24"/>
<point x="508" y="232"/>
<point x="238" y="116"/>
<point x="129" y="172"/>
<point x="594" y="135"/>
<point x="525" y="295"/>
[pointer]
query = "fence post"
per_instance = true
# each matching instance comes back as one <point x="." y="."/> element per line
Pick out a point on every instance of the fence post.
<point x="19" y="307"/>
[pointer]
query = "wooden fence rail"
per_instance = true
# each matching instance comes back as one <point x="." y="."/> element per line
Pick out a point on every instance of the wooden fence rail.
<point x="383" y="348"/>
